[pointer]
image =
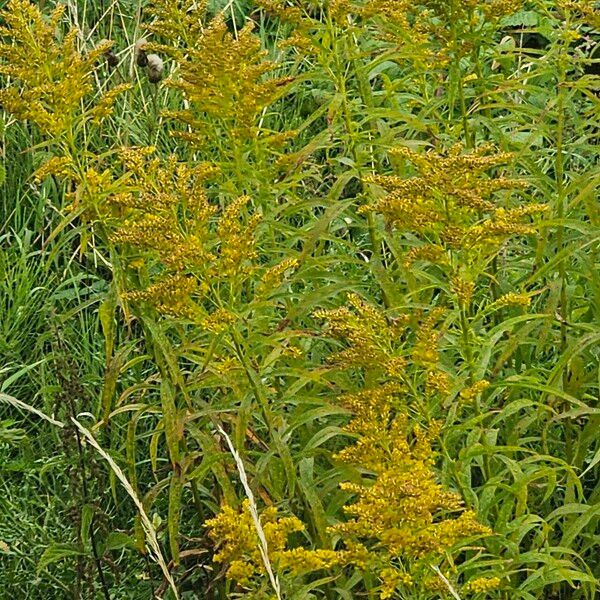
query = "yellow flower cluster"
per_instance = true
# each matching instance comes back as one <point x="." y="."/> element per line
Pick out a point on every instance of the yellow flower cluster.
<point x="463" y="289"/>
<point x="220" y="74"/>
<point x="236" y="535"/>
<point x="90" y="187"/>
<point x="425" y="352"/>
<point x="472" y="392"/>
<point x="448" y="204"/>
<point x="426" y="33"/>
<point x="49" y="77"/>
<point x="402" y="510"/>
<point x="512" y="299"/>
<point x="177" y="21"/>
<point x="105" y="106"/>
<point x="585" y="10"/>
<point x="400" y="513"/>
<point x="390" y="580"/>
<point x="236" y="239"/>
<point x="370" y="335"/>
<point x="482" y="585"/>
<point x="273" y="277"/>
<point x="59" y="166"/>
<point x="378" y="344"/>
<point x="400" y="518"/>
<point x="170" y="295"/>
<point x="165" y="217"/>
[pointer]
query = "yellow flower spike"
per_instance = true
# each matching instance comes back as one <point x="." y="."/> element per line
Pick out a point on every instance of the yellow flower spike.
<point x="219" y="74"/>
<point x="463" y="290"/>
<point x="105" y="106"/>
<point x="448" y="206"/>
<point x="368" y="331"/>
<point x="472" y="392"/>
<point x="165" y="214"/>
<point x="50" y="77"/>
<point x="482" y="585"/>
<point x="59" y="166"/>
<point x="437" y="381"/>
<point x="392" y="578"/>
<point x="237" y="538"/>
<point x="274" y="276"/>
<point x="512" y="299"/>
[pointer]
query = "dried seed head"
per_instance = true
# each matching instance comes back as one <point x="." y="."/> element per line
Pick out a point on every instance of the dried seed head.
<point x="140" y="53"/>
<point x="112" y="60"/>
<point x="155" y="67"/>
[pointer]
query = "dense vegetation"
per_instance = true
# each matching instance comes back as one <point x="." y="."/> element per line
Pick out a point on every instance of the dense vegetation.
<point x="300" y="299"/>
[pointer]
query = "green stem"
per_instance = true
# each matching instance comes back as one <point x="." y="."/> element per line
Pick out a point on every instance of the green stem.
<point x="353" y="142"/>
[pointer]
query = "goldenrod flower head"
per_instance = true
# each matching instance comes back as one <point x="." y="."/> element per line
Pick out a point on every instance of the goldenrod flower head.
<point x="432" y="253"/>
<point x="105" y="106"/>
<point x="425" y="352"/>
<point x="238" y="541"/>
<point x="274" y="277"/>
<point x="483" y="584"/>
<point x="401" y="508"/>
<point x="369" y="334"/>
<point x="512" y="299"/>
<point x="463" y="289"/>
<point x="448" y="205"/>
<point x="170" y="295"/>
<point x="180" y="21"/>
<point x="470" y="393"/>
<point x="164" y="214"/>
<point x="391" y="578"/>
<point x="437" y="382"/>
<point x="220" y="74"/>
<point x="59" y="166"/>
<point x="50" y="77"/>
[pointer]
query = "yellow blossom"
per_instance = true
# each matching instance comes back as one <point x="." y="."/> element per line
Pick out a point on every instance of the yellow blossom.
<point x="445" y="202"/>
<point x="391" y="578"/>
<point x="49" y="77"/>
<point x="483" y="584"/>
<point x="220" y="75"/>
<point x="59" y="166"/>
<point x="472" y="392"/>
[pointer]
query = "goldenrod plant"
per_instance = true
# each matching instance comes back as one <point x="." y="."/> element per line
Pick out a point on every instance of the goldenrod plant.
<point x="299" y="300"/>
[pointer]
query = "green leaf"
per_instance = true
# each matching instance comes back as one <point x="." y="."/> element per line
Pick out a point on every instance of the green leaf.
<point x="55" y="553"/>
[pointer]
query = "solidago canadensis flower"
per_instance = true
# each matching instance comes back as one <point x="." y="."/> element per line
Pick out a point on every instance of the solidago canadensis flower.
<point x="238" y="542"/>
<point x="220" y="74"/>
<point x="399" y="511"/>
<point x="166" y="218"/>
<point x="49" y="77"/>
<point x="586" y="11"/>
<point x="449" y="208"/>
<point x="178" y="22"/>
<point x="400" y="519"/>
<point x="482" y="585"/>
<point x="428" y="33"/>
<point x="384" y="346"/>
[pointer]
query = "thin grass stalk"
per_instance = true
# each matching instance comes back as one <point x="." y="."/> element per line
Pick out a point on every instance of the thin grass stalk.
<point x="264" y="549"/>
<point x="151" y="538"/>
